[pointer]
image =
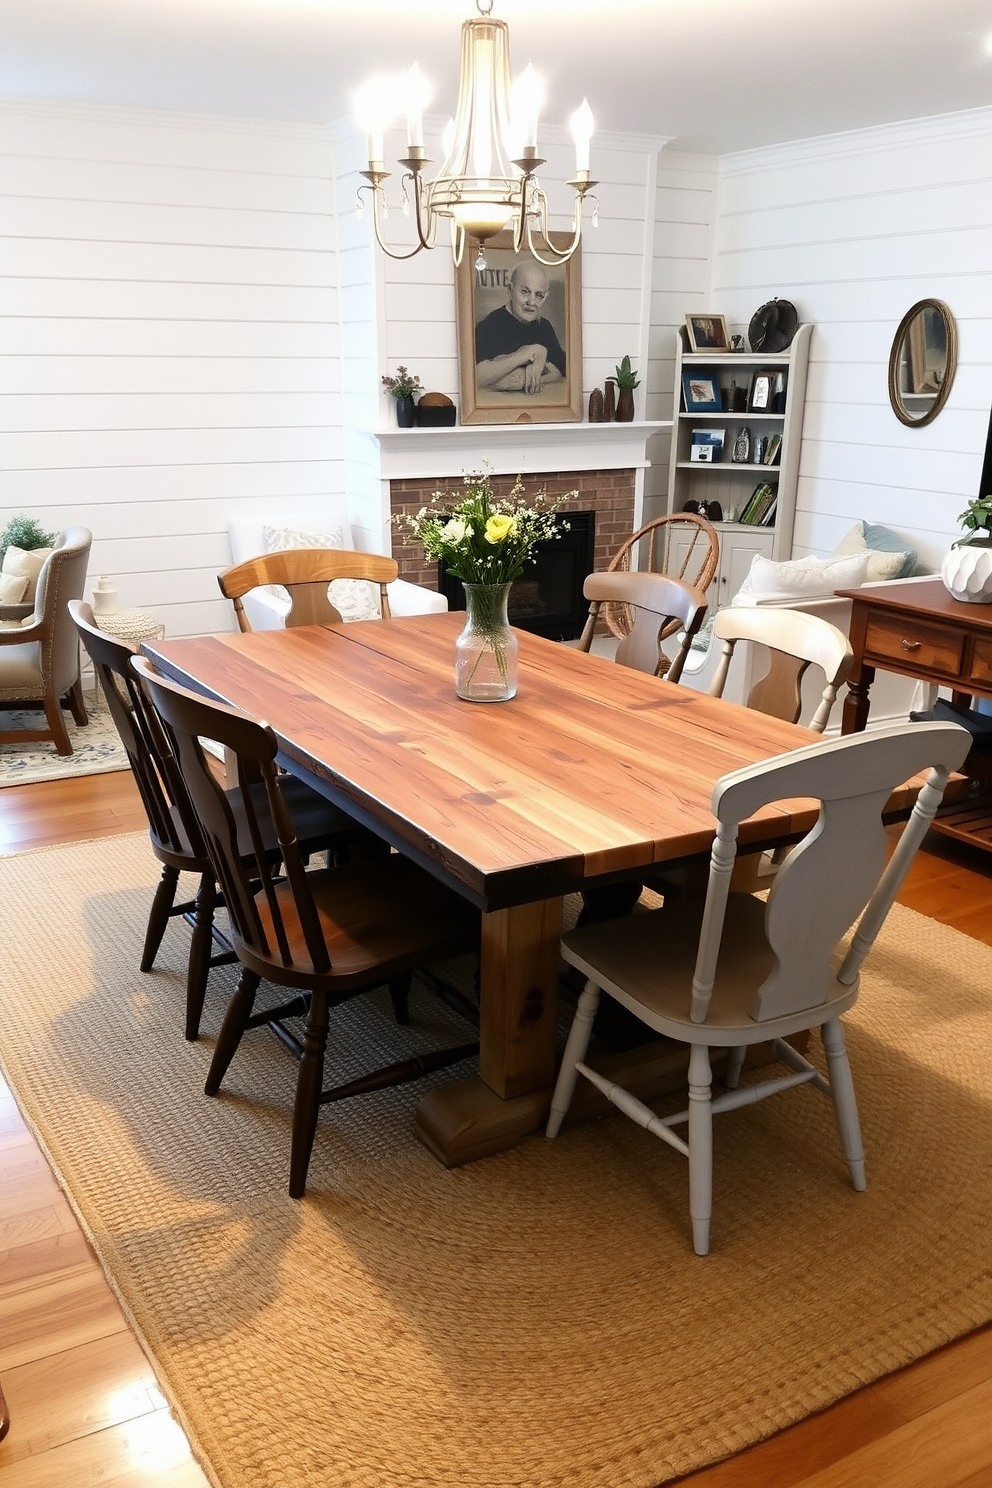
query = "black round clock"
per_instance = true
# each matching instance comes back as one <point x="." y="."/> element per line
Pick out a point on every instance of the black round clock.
<point x="773" y="326"/>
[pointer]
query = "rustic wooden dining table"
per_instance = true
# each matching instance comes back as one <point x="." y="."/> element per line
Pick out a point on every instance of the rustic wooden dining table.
<point x="590" y="775"/>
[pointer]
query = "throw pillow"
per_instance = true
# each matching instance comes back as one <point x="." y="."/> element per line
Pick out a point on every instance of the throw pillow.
<point x="25" y="563"/>
<point x="889" y="556"/>
<point x="800" y="578"/>
<point x="13" y="588"/>
<point x="354" y="599"/>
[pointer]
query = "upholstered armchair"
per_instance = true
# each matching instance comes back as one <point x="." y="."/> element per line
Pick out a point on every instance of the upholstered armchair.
<point x="39" y="657"/>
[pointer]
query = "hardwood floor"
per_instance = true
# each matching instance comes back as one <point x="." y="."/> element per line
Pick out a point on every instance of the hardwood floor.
<point x="83" y="1401"/>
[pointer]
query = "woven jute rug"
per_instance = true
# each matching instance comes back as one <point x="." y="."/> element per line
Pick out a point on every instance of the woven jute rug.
<point x="537" y="1319"/>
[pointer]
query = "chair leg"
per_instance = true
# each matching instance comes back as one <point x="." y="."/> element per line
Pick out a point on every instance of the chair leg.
<point x="844" y="1101"/>
<point x="700" y="1148"/>
<point x="575" y="1050"/>
<point x="158" y="915"/>
<point x="199" y="955"/>
<point x="77" y="703"/>
<point x="234" y="1025"/>
<point x="309" y="1083"/>
<point x="734" y="1065"/>
<point x="56" y="724"/>
<point x="399" y="996"/>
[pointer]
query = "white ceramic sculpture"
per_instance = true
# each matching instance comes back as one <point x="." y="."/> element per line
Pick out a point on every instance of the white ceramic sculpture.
<point x="104" y="597"/>
<point x="967" y="573"/>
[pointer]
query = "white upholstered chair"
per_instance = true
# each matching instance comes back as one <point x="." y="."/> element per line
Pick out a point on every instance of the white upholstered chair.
<point x="735" y="971"/>
<point x="39" y="658"/>
<point x="653" y="602"/>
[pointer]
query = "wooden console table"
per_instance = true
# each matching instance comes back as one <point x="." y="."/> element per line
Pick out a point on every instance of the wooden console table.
<point x="918" y="630"/>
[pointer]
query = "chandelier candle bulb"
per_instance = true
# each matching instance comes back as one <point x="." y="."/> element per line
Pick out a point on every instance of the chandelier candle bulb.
<point x="417" y="98"/>
<point x="582" y="125"/>
<point x="528" y="95"/>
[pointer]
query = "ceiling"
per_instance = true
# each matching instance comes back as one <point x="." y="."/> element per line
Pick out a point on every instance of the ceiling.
<point x="715" y="75"/>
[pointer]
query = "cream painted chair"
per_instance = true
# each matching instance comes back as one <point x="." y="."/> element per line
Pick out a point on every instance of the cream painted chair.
<point x="39" y="658"/>
<point x="735" y="971"/>
<point x="796" y="641"/>
<point x="656" y="606"/>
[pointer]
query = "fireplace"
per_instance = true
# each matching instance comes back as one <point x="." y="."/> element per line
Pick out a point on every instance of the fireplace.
<point x="547" y="600"/>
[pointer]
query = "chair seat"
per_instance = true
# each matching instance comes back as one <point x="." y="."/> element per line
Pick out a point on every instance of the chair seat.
<point x="646" y="961"/>
<point x="368" y="943"/>
<point x="22" y="671"/>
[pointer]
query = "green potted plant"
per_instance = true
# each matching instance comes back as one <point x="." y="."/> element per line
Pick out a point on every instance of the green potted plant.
<point x="403" y="388"/>
<point x="967" y="566"/>
<point x="25" y="532"/>
<point x="626" y="380"/>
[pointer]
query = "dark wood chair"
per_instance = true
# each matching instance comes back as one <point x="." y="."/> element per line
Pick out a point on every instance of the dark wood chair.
<point x="327" y="934"/>
<point x="306" y="574"/>
<point x="658" y="606"/>
<point x="39" y="659"/>
<point x="172" y="823"/>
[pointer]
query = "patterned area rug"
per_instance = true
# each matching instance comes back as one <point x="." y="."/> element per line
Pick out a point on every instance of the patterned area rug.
<point x="536" y="1320"/>
<point x="96" y="749"/>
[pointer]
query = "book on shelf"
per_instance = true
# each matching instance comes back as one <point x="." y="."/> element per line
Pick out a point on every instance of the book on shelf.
<point x="757" y="506"/>
<point x="769" y="516"/>
<point x="773" y="449"/>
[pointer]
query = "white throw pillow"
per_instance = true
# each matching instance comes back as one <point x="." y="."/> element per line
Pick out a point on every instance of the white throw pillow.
<point x="25" y="563"/>
<point x="799" y="578"/>
<point x="354" y="599"/>
<point x="13" y="588"/>
<point x="881" y="565"/>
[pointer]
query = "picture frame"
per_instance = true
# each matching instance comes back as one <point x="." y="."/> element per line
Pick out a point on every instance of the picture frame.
<point x="707" y="446"/>
<point x="701" y="391"/>
<point x="762" y="395"/>
<point x="495" y="306"/>
<point x="707" y="332"/>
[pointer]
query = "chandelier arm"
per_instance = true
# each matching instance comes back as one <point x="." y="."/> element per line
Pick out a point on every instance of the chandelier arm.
<point x="558" y="255"/>
<point x="376" y="194"/>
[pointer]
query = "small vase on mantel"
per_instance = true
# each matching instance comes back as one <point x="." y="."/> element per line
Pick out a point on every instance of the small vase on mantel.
<point x="625" y="405"/>
<point x="406" y="413"/>
<point x="486" y="650"/>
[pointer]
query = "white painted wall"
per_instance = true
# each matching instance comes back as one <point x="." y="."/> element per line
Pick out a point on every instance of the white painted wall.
<point x="169" y="337"/>
<point x="854" y="229"/>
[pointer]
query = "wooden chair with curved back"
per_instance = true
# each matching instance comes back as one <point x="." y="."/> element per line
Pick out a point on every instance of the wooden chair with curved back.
<point x="682" y="546"/>
<point x="796" y="642"/>
<point x="657" y="606"/>
<point x="172" y="824"/>
<point x="326" y="935"/>
<point x="306" y="574"/>
<point x="734" y="971"/>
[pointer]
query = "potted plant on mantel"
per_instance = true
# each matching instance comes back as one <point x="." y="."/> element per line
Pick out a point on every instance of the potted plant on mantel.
<point x="402" y="387"/>
<point x="967" y="566"/>
<point x="627" y="380"/>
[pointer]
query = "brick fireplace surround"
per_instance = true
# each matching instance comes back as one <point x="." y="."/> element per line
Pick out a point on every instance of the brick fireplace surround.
<point x="609" y="493"/>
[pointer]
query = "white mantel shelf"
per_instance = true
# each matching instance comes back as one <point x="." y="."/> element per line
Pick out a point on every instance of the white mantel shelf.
<point x="514" y="449"/>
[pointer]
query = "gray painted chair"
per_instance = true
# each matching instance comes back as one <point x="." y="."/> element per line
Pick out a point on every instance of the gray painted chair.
<point x="734" y="971"/>
<point x="39" y="659"/>
<point x="656" y="605"/>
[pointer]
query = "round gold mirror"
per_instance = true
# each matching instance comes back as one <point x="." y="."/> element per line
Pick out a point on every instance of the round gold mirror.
<point x="922" y="362"/>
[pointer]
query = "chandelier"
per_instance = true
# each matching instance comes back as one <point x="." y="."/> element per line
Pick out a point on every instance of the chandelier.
<point x="488" y="181"/>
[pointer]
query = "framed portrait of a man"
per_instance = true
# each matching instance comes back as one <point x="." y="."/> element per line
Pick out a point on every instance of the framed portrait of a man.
<point x="519" y="336"/>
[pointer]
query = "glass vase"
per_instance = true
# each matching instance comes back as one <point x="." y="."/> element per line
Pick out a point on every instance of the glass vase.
<point x="486" y="650"/>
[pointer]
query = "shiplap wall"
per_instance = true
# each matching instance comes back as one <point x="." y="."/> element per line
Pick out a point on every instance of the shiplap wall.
<point x="685" y="208"/>
<point x="854" y="229"/>
<point x="169" y="342"/>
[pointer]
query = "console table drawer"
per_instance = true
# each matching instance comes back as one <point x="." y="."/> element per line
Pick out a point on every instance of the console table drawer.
<point x="981" y="661"/>
<point x="904" y="640"/>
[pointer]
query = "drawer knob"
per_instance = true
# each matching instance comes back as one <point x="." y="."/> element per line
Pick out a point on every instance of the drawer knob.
<point x="910" y="645"/>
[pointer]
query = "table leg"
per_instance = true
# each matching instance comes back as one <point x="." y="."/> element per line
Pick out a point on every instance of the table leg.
<point x="518" y="1007"/>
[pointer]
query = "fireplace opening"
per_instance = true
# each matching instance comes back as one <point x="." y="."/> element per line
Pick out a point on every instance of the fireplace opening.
<point x="547" y="599"/>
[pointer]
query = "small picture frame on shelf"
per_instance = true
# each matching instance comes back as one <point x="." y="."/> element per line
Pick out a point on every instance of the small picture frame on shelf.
<point x="707" y="446"/>
<point x="762" y="398"/>
<point x="707" y="332"/>
<point x="701" y="391"/>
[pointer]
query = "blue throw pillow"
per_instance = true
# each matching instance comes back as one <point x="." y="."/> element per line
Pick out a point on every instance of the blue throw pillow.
<point x="884" y="540"/>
